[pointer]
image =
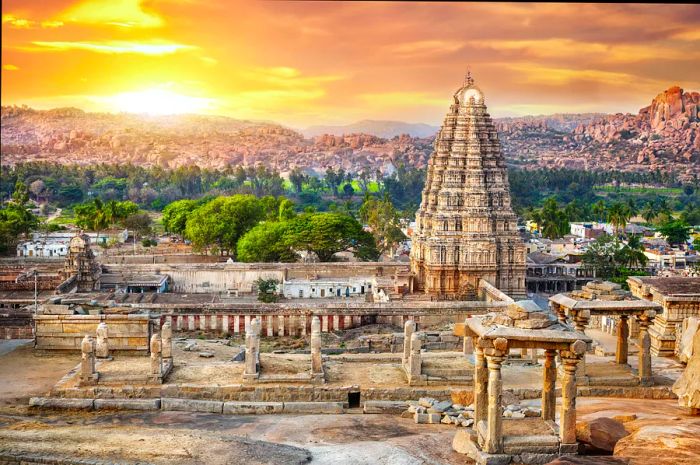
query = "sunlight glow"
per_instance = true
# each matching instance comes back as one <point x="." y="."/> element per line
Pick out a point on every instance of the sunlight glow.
<point x="157" y="102"/>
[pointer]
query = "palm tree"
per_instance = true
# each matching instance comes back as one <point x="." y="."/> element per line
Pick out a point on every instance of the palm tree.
<point x="649" y="212"/>
<point x="633" y="253"/>
<point x="632" y="207"/>
<point x="599" y="210"/>
<point x="618" y="215"/>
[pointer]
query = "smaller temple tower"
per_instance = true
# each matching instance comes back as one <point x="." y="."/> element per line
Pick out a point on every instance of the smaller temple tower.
<point x="81" y="263"/>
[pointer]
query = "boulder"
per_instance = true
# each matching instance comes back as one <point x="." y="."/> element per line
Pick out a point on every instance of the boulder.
<point x="687" y="388"/>
<point x="685" y="350"/>
<point x="600" y="435"/>
<point x="588" y="460"/>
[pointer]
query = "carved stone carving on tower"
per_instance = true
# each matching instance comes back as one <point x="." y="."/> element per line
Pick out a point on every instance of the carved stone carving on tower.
<point x="465" y="227"/>
<point x="81" y="263"/>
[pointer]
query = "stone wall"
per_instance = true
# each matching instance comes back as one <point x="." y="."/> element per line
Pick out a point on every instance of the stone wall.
<point x="239" y="277"/>
<point x="16" y="324"/>
<point x="127" y="333"/>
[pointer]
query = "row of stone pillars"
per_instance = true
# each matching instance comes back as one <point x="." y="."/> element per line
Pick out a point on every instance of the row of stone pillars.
<point x="252" y="350"/>
<point x="161" y="354"/>
<point x="488" y="386"/>
<point x="581" y="318"/>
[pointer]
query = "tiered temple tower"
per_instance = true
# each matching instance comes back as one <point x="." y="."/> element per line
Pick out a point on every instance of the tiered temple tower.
<point x="465" y="228"/>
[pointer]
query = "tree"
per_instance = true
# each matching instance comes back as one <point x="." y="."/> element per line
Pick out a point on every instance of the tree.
<point x="554" y="222"/>
<point x="297" y="177"/>
<point x="326" y="234"/>
<point x="219" y="223"/>
<point x="676" y="232"/>
<point x="267" y="290"/>
<point x="348" y="190"/>
<point x="176" y="213"/>
<point x="265" y="243"/>
<point x="16" y="218"/>
<point x="604" y="255"/>
<point x="383" y="221"/>
<point x="633" y="253"/>
<point x="649" y="212"/>
<point x="138" y="223"/>
<point x="334" y="179"/>
<point x="618" y="215"/>
<point x="600" y="211"/>
<point x="38" y="188"/>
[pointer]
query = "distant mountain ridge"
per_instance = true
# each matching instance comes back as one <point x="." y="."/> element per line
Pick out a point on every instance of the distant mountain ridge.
<point x="664" y="135"/>
<point x="379" y="128"/>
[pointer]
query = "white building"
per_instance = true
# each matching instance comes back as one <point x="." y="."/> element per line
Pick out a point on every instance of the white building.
<point x="326" y="287"/>
<point x="119" y="235"/>
<point x="42" y="249"/>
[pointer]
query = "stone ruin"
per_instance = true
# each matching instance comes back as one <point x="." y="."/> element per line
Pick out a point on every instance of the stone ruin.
<point x="253" y="369"/>
<point x="97" y="350"/>
<point x="602" y="290"/>
<point x="687" y="387"/>
<point x="522" y="326"/>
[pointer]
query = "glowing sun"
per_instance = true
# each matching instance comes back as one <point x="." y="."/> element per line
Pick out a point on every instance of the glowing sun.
<point x="158" y="102"/>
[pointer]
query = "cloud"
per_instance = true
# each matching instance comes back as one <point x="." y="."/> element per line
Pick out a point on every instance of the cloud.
<point x="209" y="61"/>
<point x="9" y="67"/>
<point x="425" y="48"/>
<point x="116" y="47"/>
<point x="123" y="13"/>
<point x="400" y="99"/>
<point x="21" y="23"/>
<point x="560" y="48"/>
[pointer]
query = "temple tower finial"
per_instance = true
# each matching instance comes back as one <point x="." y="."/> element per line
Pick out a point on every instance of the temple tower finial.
<point x="468" y="79"/>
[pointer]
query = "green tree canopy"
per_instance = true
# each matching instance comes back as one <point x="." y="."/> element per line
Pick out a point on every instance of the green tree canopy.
<point x="383" y="220"/>
<point x="675" y="232"/>
<point x="220" y="223"/>
<point x="266" y="242"/>
<point x="326" y="234"/>
<point x="16" y="218"/>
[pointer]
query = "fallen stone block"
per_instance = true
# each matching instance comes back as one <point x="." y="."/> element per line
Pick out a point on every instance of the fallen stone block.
<point x="600" y="434"/>
<point x="427" y="418"/>
<point x="313" y="407"/>
<point x="252" y="408"/>
<point x="384" y="406"/>
<point x="127" y="404"/>
<point x="191" y="405"/>
<point x="61" y="403"/>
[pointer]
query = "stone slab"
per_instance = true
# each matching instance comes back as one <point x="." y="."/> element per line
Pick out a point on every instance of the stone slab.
<point x="127" y="404"/>
<point x="384" y="406"/>
<point x="313" y="407"/>
<point x="252" y="408"/>
<point x="61" y="403"/>
<point x="191" y="405"/>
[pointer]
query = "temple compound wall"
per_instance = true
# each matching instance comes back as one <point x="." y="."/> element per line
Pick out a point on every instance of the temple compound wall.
<point x="466" y="229"/>
<point x="65" y="332"/>
<point x="235" y="278"/>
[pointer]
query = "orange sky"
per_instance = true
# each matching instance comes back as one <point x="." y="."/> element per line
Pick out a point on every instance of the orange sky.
<point x="303" y="63"/>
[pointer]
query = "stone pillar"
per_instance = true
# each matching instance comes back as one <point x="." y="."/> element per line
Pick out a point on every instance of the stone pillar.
<point x="415" y="363"/>
<point x="467" y="346"/>
<point x="493" y="443"/>
<point x="549" y="396"/>
<point x="645" y="376"/>
<point x="102" y="345"/>
<point x="481" y="400"/>
<point x="622" y="335"/>
<point x="581" y="319"/>
<point x="316" y="361"/>
<point x="567" y="417"/>
<point x="166" y="334"/>
<point x="156" y="355"/>
<point x="251" y="350"/>
<point x="256" y="329"/>
<point x="88" y="374"/>
<point x="408" y="329"/>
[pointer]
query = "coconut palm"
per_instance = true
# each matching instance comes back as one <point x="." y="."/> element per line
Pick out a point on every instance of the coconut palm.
<point x="618" y="215"/>
<point x="649" y="212"/>
<point x="599" y="210"/>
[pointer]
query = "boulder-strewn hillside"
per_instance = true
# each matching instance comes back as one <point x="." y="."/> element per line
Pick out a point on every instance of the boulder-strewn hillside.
<point x="664" y="135"/>
<point x="385" y="129"/>
<point x="69" y="135"/>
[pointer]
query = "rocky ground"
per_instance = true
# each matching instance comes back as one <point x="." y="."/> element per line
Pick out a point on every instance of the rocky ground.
<point x="660" y="431"/>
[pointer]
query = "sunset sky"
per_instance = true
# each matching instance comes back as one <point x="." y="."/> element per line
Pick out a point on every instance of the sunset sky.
<point x="303" y="63"/>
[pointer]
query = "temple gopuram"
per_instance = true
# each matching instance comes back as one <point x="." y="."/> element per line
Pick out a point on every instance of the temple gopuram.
<point x="466" y="229"/>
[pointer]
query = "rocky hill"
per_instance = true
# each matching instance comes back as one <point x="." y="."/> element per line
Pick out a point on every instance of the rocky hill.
<point x="385" y="129"/>
<point x="69" y="135"/>
<point x="664" y="135"/>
